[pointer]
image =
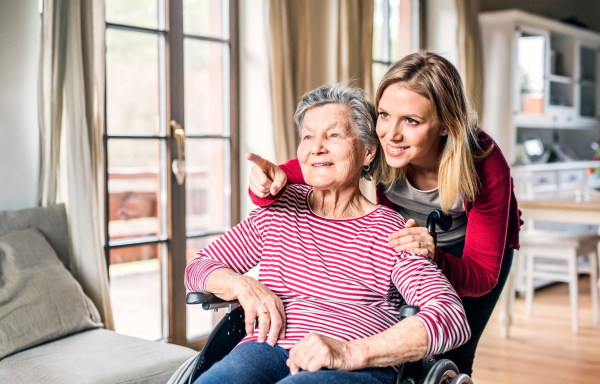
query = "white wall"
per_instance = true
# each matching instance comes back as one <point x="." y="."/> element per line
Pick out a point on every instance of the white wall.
<point x="19" y="49"/>
<point x="256" y="122"/>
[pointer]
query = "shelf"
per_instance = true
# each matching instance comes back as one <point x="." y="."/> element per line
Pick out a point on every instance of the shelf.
<point x="561" y="79"/>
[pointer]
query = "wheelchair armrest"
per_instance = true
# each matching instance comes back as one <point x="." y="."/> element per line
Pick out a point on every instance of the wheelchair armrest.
<point x="208" y="300"/>
<point x="408" y="311"/>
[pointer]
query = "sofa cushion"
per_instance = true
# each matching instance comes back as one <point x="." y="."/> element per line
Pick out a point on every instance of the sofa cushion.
<point x="95" y="356"/>
<point x="39" y="298"/>
<point x="51" y="221"/>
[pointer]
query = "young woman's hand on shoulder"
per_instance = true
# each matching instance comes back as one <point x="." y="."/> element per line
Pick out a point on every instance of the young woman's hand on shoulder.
<point x="414" y="239"/>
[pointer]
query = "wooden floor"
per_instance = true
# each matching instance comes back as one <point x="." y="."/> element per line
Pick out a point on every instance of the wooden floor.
<point x="542" y="349"/>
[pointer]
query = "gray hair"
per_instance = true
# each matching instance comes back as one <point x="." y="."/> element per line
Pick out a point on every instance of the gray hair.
<point x="362" y="113"/>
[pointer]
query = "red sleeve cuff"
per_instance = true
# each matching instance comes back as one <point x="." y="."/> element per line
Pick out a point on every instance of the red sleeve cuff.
<point x="266" y="201"/>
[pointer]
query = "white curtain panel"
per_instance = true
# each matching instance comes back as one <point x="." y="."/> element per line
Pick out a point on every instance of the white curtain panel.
<point x="71" y="111"/>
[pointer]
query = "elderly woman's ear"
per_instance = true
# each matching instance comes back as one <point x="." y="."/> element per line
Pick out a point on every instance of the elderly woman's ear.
<point x="370" y="156"/>
<point x="367" y="166"/>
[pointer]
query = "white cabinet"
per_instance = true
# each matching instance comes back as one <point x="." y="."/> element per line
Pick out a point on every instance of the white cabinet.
<point x="538" y="73"/>
<point x="537" y="178"/>
<point x="570" y="178"/>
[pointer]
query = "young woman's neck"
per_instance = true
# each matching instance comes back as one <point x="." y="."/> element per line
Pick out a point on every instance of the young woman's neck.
<point x="340" y="203"/>
<point x="423" y="178"/>
<point x="424" y="175"/>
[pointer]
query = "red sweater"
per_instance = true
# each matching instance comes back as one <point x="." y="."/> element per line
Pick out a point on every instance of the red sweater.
<point x="493" y="223"/>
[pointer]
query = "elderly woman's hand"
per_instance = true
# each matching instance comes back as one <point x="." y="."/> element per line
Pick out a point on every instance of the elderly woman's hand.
<point x="266" y="178"/>
<point x="413" y="239"/>
<point x="259" y="301"/>
<point x="316" y="351"/>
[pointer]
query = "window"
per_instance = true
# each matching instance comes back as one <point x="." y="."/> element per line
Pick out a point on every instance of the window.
<point x="163" y="73"/>
<point x="397" y="32"/>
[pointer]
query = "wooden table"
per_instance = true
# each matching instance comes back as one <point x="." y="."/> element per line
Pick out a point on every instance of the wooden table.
<point x="563" y="206"/>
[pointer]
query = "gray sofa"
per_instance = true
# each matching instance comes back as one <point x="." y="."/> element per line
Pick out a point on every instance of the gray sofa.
<point x="56" y="337"/>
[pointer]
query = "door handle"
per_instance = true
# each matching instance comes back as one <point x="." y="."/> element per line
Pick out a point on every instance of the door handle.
<point x="178" y="164"/>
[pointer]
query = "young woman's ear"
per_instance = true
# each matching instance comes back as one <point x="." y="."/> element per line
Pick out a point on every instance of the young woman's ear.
<point x="444" y="131"/>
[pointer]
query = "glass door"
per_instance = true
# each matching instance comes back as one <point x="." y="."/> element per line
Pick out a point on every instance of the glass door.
<point x="171" y="72"/>
<point x="208" y="193"/>
<point x="588" y="65"/>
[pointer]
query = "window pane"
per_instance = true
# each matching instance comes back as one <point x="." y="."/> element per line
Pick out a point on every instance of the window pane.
<point x="135" y="291"/>
<point x="208" y="185"/>
<point x="133" y="188"/>
<point x="395" y="28"/>
<point x="380" y="36"/>
<point x="206" y="18"/>
<point x="199" y="321"/>
<point x="140" y="13"/>
<point x="206" y="75"/>
<point x="378" y="72"/>
<point x="131" y="82"/>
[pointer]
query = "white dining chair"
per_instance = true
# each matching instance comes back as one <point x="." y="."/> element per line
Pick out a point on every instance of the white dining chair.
<point x="553" y="256"/>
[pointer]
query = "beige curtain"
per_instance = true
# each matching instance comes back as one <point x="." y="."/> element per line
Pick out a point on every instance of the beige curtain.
<point x="470" y="60"/>
<point x="314" y="42"/>
<point x="70" y="109"/>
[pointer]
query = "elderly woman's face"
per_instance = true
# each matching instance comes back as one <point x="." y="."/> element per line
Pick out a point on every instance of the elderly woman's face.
<point x="330" y="153"/>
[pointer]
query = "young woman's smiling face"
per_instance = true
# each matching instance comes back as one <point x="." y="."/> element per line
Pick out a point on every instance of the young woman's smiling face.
<point x="407" y="130"/>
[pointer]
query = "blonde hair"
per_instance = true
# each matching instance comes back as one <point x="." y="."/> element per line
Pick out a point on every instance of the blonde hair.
<point x="435" y="78"/>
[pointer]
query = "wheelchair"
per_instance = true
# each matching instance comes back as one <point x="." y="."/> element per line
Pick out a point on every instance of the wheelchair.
<point x="231" y="330"/>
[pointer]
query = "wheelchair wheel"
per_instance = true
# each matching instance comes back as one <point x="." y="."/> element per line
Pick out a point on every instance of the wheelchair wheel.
<point x="463" y="378"/>
<point x="443" y="372"/>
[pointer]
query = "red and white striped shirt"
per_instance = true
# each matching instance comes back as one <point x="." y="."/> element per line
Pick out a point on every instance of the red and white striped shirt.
<point x="337" y="278"/>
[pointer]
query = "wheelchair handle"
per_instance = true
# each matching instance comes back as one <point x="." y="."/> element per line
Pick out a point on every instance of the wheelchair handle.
<point x="208" y="300"/>
<point x="443" y="220"/>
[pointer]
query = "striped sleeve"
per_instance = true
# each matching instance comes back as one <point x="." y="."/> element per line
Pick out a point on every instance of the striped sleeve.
<point x="441" y="310"/>
<point x="239" y="249"/>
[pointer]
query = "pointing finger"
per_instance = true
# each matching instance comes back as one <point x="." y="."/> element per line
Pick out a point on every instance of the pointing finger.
<point x="262" y="163"/>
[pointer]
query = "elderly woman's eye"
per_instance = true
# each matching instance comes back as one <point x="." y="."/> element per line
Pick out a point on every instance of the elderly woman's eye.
<point x="307" y="137"/>
<point x="335" y="135"/>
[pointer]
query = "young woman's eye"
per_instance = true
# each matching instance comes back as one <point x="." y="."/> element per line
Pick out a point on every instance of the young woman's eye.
<point x="383" y="115"/>
<point x="411" y="121"/>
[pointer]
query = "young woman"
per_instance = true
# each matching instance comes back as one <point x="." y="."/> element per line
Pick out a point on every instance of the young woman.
<point x="436" y="156"/>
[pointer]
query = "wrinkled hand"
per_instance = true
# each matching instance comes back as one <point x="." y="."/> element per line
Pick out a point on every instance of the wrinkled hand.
<point x="413" y="239"/>
<point x="316" y="351"/>
<point x="259" y="301"/>
<point x="266" y="178"/>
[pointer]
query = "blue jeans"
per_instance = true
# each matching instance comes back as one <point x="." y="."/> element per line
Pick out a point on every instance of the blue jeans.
<point x="259" y="363"/>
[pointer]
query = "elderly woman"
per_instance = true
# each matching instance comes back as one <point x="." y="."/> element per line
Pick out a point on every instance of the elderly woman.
<point x="329" y="289"/>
